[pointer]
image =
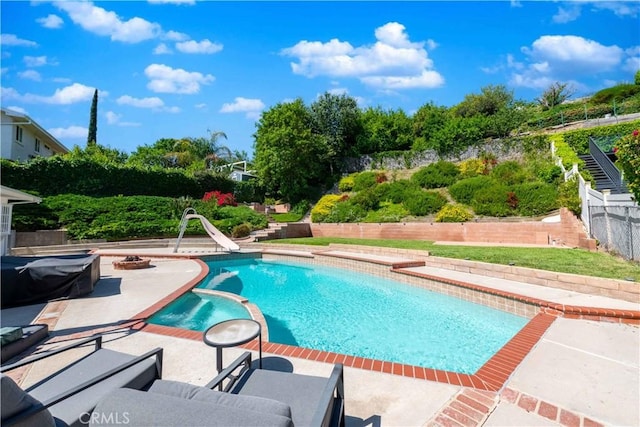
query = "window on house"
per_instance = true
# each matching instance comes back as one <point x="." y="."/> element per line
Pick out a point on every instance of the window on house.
<point x="37" y="147"/>
<point x="18" y="134"/>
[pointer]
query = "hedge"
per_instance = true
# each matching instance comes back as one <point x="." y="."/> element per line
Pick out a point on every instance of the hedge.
<point x="579" y="139"/>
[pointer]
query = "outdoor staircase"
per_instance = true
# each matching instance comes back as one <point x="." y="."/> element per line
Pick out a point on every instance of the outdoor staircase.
<point x="274" y="231"/>
<point x="602" y="180"/>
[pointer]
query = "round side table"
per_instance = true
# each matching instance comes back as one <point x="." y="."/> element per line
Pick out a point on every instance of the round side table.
<point x="231" y="333"/>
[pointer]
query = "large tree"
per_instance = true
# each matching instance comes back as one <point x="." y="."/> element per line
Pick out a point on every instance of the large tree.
<point x="290" y="159"/>
<point x="92" y="137"/>
<point x="384" y="130"/>
<point x="427" y="121"/>
<point x="337" y="119"/>
<point x="554" y="95"/>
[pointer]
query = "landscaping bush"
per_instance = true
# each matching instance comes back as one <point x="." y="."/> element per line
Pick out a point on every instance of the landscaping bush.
<point x="324" y="207"/>
<point x="364" y="180"/>
<point x="569" y="196"/>
<point x="436" y="175"/>
<point x="346" y="211"/>
<point x="578" y="140"/>
<point x="453" y="213"/>
<point x="388" y="212"/>
<point x="492" y="201"/>
<point x="618" y="92"/>
<point x="420" y="203"/>
<point x="395" y="192"/>
<point x="367" y="199"/>
<point x="249" y="191"/>
<point x="241" y="230"/>
<point x="470" y="168"/>
<point x="346" y="183"/>
<point x="509" y="173"/>
<point x="464" y="190"/>
<point x="536" y="198"/>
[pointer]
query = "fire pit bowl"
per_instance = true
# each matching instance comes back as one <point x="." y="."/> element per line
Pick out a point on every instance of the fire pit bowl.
<point x="131" y="263"/>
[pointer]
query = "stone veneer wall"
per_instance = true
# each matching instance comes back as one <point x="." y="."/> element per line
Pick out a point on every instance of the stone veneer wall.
<point x="567" y="232"/>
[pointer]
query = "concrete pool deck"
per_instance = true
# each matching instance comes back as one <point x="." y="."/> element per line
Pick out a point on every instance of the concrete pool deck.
<point x="579" y="372"/>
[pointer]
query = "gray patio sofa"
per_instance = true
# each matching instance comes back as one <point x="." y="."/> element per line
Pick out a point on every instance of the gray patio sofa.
<point x="252" y="397"/>
<point x="68" y="397"/>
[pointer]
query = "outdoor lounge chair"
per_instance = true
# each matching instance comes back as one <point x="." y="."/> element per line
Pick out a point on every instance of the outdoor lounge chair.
<point x="68" y="396"/>
<point x="251" y="397"/>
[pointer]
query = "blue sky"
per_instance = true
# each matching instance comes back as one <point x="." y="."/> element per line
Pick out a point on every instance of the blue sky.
<point x="173" y="69"/>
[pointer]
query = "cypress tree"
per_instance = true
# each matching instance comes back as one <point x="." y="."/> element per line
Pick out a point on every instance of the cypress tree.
<point x="93" y="121"/>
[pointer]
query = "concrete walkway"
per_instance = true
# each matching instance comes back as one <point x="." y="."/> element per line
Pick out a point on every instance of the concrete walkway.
<point x="580" y="373"/>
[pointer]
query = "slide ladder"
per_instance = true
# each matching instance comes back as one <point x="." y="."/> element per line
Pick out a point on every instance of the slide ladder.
<point x="217" y="236"/>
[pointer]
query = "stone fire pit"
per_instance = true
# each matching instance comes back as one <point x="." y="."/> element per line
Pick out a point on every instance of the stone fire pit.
<point x="131" y="263"/>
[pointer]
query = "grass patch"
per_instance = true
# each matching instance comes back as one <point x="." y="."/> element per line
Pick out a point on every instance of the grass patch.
<point x="286" y="217"/>
<point x="574" y="261"/>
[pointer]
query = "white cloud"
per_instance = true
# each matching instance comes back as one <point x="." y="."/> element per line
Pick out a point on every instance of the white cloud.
<point x="201" y="106"/>
<point x="4" y="70"/>
<point x="568" y="14"/>
<point x="112" y="118"/>
<point x="251" y="107"/>
<point x="153" y="102"/>
<point x="516" y="3"/>
<point x="165" y="79"/>
<point x="162" y="49"/>
<point x="62" y="80"/>
<point x="175" y="36"/>
<point x="68" y="95"/>
<point x="71" y="132"/>
<point x="393" y="62"/>
<point x="187" y="2"/>
<point x="17" y="109"/>
<point x="105" y="23"/>
<point x="51" y="21"/>
<point x="554" y="58"/>
<point x="37" y="61"/>
<point x="204" y="46"/>
<point x="632" y="64"/>
<point x="13" y="40"/>
<point x="30" y="75"/>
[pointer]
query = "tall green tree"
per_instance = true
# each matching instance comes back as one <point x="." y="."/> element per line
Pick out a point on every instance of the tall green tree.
<point x="290" y="159"/>
<point x="337" y="119"/>
<point x="554" y="95"/>
<point x="384" y="130"/>
<point x="92" y="137"/>
<point x="428" y="120"/>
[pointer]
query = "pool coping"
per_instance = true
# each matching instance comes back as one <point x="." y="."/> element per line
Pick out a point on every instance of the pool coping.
<point x="492" y="376"/>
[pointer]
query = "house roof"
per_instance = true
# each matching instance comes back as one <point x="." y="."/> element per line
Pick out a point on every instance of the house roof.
<point x="11" y="196"/>
<point x="28" y="123"/>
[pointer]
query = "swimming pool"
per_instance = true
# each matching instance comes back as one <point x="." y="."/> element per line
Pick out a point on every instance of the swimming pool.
<point x="352" y="313"/>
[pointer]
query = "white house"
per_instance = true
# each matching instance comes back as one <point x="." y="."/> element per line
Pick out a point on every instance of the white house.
<point x="8" y="198"/>
<point x="23" y="139"/>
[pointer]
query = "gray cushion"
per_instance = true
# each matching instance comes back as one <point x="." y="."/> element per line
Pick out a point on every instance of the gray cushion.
<point x="138" y="408"/>
<point x="71" y="409"/>
<point x="188" y="391"/>
<point x="301" y="392"/>
<point x="14" y="400"/>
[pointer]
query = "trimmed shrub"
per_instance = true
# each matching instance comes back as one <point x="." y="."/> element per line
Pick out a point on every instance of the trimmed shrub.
<point x="421" y="203"/>
<point x="395" y="192"/>
<point x="346" y="212"/>
<point x="324" y="207"/>
<point x="346" y="183"/>
<point x="367" y="199"/>
<point x="436" y="175"/>
<point x="569" y="196"/>
<point x="388" y="212"/>
<point x="536" y="198"/>
<point x="470" y="168"/>
<point x="453" y="213"/>
<point x="464" y="190"/>
<point x="364" y="180"/>
<point x="492" y="201"/>
<point x="241" y="230"/>
<point x="509" y="173"/>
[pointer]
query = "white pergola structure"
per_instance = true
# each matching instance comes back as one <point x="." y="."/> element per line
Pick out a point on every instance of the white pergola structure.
<point x="10" y="197"/>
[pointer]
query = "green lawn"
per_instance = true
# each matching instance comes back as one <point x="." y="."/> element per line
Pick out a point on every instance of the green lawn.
<point x="576" y="261"/>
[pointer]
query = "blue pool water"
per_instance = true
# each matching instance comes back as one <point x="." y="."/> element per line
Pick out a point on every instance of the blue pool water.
<point x="357" y="314"/>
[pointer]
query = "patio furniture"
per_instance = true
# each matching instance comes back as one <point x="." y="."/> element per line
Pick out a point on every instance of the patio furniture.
<point x="251" y="397"/>
<point x="231" y="333"/>
<point x="68" y="396"/>
<point x="27" y="336"/>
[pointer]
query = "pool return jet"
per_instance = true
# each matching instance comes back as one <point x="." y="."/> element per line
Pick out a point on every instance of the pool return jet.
<point x="217" y="236"/>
